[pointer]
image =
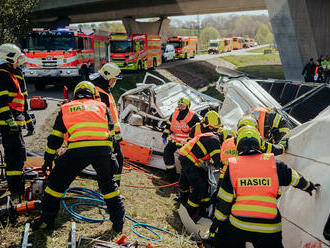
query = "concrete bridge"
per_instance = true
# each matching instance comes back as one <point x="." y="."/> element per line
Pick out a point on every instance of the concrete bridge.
<point x="301" y="27"/>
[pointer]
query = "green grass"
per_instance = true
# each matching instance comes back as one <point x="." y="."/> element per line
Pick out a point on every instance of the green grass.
<point x="261" y="66"/>
<point x="213" y="92"/>
<point x="262" y="49"/>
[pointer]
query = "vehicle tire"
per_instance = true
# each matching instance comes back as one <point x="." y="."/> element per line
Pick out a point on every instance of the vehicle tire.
<point x="194" y="54"/>
<point x="185" y="56"/>
<point x="39" y="85"/>
<point x="88" y="172"/>
<point x="154" y="64"/>
<point x="140" y="66"/>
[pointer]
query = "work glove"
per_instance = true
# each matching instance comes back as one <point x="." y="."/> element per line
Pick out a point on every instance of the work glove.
<point x="12" y="125"/>
<point x="48" y="164"/>
<point x="164" y="139"/>
<point x="312" y="187"/>
<point x="285" y="143"/>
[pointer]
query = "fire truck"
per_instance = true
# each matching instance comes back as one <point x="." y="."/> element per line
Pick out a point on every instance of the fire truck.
<point x="64" y="55"/>
<point x="185" y="46"/>
<point x="135" y="51"/>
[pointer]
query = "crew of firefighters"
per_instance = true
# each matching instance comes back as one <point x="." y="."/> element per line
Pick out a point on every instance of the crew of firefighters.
<point x="245" y="199"/>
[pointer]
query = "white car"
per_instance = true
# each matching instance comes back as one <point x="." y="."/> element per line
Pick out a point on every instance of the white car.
<point x="168" y="52"/>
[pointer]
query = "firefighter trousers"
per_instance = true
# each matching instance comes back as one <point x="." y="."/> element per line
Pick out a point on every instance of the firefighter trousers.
<point x="195" y="177"/>
<point x="66" y="170"/>
<point x="14" y="158"/>
<point x="120" y="160"/>
<point x="169" y="151"/>
<point x="229" y="236"/>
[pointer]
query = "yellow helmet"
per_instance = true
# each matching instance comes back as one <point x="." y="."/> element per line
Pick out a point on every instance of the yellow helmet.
<point x="85" y="89"/>
<point x="248" y="140"/>
<point x="184" y="100"/>
<point x="212" y="119"/>
<point x="247" y="120"/>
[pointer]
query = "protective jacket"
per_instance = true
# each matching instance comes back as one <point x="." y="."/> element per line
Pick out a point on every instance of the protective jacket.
<point x="179" y="125"/>
<point x="247" y="195"/>
<point x="13" y="97"/>
<point x="89" y="126"/>
<point x="108" y="99"/>
<point x="272" y="126"/>
<point x="202" y="148"/>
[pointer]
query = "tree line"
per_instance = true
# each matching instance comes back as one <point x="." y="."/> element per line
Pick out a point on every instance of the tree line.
<point x="14" y="21"/>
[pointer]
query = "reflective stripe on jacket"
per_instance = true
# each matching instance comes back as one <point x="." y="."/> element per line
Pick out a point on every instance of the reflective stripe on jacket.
<point x="255" y="182"/>
<point x="18" y="101"/>
<point x="112" y="108"/>
<point x="198" y="129"/>
<point x="186" y="150"/>
<point x="180" y="129"/>
<point x="86" y="122"/>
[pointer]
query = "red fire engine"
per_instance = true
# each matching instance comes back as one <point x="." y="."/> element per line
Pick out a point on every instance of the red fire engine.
<point x="185" y="46"/>
<point x="64" y="54"/>
<point x="135" y="51"/>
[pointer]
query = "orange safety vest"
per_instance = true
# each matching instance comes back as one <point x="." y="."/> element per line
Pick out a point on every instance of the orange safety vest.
<point x="186" y="149"/>
<point x="228" y="150"/>
<point x="261" y="120"/>
<point x="198" y="129"/>
<point x="85" y="119"/>
<point x="255" y="181"/>
<point x="180" y="129"/>
<point x="112" y="108"/>
<point x="18" y="101"/>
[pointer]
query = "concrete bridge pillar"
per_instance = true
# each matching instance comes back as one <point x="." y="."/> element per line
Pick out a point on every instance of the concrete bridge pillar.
<point x="159" y="27"/>
<point x="301" y="31"/>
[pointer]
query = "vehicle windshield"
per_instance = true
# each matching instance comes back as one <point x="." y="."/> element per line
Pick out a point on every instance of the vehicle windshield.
<point x="176" y="44"/>
<point x="213" y="44"/>
<point x="235" y="39"/>
<point x="48" y="42"/>
<point x="121" y="46"/>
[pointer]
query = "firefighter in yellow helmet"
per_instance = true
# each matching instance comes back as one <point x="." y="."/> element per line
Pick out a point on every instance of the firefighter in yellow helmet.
<point x="13" y="116"/>
<point x="104" y="81"/>
<point x="211" y="122"/>
<point x="177" y="128"/>
<point x="89" y="126"/>
<point x="246" y="208"/>
<point x="272" y="126"/>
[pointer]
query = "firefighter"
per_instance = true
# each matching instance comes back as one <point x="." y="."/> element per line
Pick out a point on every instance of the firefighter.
<point x="193" y="157"/>
<point x="13" y="116"/>
<point x="178" y="127"/>
<point x="104" y="81"/>
<point x="210" y="123"/>
<point x="246" y="209"/>
<point x="90" y="133"/>
<point x="272" y="126"/>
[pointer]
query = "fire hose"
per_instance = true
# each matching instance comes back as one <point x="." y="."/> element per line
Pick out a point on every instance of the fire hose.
<point x="92" y="198"/>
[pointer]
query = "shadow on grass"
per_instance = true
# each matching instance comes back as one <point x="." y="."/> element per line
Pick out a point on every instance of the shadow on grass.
<point x="263" y="71"/>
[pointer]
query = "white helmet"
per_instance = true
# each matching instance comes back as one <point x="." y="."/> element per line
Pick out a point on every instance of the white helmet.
<point x="11" y="53"/>
<point x="110" y="70"/>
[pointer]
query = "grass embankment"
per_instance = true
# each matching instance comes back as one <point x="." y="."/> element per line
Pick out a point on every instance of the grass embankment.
<point x="149" y="206"/>
<point x="128" y="82"/>
<point x="261" y="66"/>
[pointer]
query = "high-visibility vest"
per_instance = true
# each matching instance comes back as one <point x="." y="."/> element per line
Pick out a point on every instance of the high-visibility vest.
<point x="198" y="129"/>
<point x="261" y="120"/>
<point x="112" y="108"/>
<point x="85" y="120"/>
<point x="180" y="129"/>
<point x="18" y="101"/>
<point x="255" y="181"/>
<point x="186" y="150"/>
<point x="228" y="150"/>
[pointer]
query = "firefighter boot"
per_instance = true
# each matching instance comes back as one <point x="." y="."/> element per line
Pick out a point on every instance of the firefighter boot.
<point x="43" y="223"/>
<point x="116" y="210"/>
